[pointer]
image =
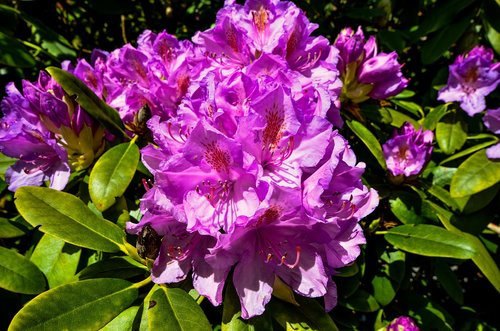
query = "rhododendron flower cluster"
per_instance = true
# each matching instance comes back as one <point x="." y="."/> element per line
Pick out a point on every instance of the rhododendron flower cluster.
<point x="472" y="77"/>
<point x="365" y="72"/>
<point x="250" y="178"/>
<point x="47" y="132"/>
<point x="408" y="151"/>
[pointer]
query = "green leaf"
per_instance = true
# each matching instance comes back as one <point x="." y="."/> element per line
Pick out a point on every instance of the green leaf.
<point x="18" y="274"/>
<point x="475" y="202"/>
<point x="410" y="106"/>
<point x="474" y="175"/>
<point x="384" y="290"/>
<point x="13" y="53"/>
<point x="469" y="151"/>
<point x="112" y="174"/>
<point x="124" y="321"/>
<point x="430" y="240"/>
<point x="65" y="216"/>
<point x="434" y="116"/>
<point x="493" y="37"/>
<point x="173" y="309"/>
<point x="451" y="133"/>
<point x="405" y="207"/>
<point x="392" y="39"/>
<point x="491" y="11"/>
<point x="398" y="119"/>
<point x="405" y="94"/>
<point x="10" y="229"/>
<point x="114" y="267"/>
<point x="438" y="44"/>
<point x="56" y="259"/>
<point x="361" y="301"/>
<point x="448" y="281"/>
<point x="90" y="102"/>
<point x="291" y="317"/>
<point x="5" y="163"/>
<point x="85" y="305"/>
<point x="369" y="140"/>
<point x="482" y="258"/>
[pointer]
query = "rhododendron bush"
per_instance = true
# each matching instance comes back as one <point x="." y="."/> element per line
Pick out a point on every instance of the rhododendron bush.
<point x="260" y="165"/>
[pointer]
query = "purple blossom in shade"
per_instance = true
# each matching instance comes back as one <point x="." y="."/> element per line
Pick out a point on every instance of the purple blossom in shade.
<point x="365" y="72"/>
<point x="47" y="132"/>
<point x="408" y="151"/>
<point x="403" y="323"/>
<point x="248" y="172"/>
<point x="472" y="77"/>
<point x="492" y="121"/>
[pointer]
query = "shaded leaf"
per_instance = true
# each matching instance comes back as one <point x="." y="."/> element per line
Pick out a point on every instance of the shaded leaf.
<point x="66" y="217"/>
<point x="114" y="267"/>
<point x="13" y="53"/>
<point x="10" y="229"/>
<point x="438" y="44"/>
<point x="361" y="301"/>
<point x="434" y="116"/>
<point x="18" y="274"/>
<point x="449" y="281"/>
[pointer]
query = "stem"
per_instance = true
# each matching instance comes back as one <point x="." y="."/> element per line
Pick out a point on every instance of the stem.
<point x="380" y="232"/>
<point x="142" y="283"/>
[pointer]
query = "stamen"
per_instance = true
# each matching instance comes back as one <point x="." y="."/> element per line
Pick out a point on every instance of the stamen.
<point x="297" y="258"/>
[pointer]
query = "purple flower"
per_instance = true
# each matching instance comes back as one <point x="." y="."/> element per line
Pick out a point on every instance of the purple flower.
<point x="472" y="77"/>
<point x="492" y="122"/>
<point x="408" y="151"/>
<point x="403" y="323"/>
<point x="248" y="173"/>
<point x="365" y="73"/>
<point x="48" y="132"/>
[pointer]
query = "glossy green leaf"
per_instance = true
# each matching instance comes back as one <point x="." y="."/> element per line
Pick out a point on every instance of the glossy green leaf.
<point x="10" y="229"/>
<point x="469" y="151"/>
<point x="410" y="106"/>
<point x="384" y="290"/>
<point x="441" y="176"/>
<point x="443" y="195"/>
<point x="114" y="267"/>
<point x="482" y="258"/>
<point x="493" y="37"/>
<point x="474" y="175"/>
<point x="85" y="305"/>
<point x="405" y="207"/>
<point x="438" y="44"/>
<point x="5" y="163"/>
<point x="430" y="240"/>
<point x="18" y="274"/>
<point x="369" y="140"/>
<point x="451" y="133"/>
<point x="398" y="119"/>
<point x="448" y="281"/>
<point x="434" y="116"/>
<point x="124" y="321"/>
<point x="13" y="53"/>
<point x="231" y="315"/>
<point x="403" y="94"/>
<point x="310" y="315"/>
<point x="112" y="174"/>
<point x="173" y="309"/>
<point x="90" y="102"/>
<point x="57" y="259"/>
<point x="65" y="216"/>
